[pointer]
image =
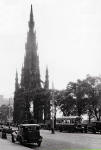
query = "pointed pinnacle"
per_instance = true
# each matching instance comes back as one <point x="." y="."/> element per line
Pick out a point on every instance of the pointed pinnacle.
<point x="31" y="13"/>
<point x="31" y="21"/>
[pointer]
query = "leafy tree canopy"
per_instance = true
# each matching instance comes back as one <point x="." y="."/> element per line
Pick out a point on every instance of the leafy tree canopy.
<point x="80" y="97"/>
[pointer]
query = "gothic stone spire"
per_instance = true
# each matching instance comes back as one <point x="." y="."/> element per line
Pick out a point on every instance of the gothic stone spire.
<point x="31" y="62"/>
<point x="46" y="79"/>
<point x="16" y="82"/>
<point x="31" y="21"/>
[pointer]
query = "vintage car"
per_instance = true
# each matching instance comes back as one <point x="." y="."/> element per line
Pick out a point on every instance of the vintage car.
<point x="6" y="129"/>
<point x="94" y="127"/>
<point x="27" y="133"/>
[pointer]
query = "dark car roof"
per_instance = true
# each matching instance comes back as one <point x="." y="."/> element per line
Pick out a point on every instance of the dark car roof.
<point x="29" y="125"/>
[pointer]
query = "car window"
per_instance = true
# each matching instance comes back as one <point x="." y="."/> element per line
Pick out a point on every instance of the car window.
<point x="37" y="128"/>
<point x="30" y="129"/>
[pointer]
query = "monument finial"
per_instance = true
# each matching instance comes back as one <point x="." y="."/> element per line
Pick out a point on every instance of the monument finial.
<point x="31" y="13"/>
<point x="31" y="21"/>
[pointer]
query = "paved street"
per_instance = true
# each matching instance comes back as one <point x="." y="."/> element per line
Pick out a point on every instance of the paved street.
<point x="58" y="141"/>
<point x="7" y="145"/>
<point x="61" y="141"/>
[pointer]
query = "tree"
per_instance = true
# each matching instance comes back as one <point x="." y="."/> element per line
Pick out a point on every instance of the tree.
<point x="72" y="100"/>
<point x="66" y="101"/>
<point x="4" y="113"/>
<point x="82" y="96"/>
<point x="94" y="99"/>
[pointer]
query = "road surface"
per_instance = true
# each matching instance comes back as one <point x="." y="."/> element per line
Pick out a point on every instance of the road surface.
<point x="60" y="141"/>
<point x="7" y="145"/>
<point x="57" y="141"/>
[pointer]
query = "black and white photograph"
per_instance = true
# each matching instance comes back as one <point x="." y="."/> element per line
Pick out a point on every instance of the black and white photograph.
<point x="50" y="74"/>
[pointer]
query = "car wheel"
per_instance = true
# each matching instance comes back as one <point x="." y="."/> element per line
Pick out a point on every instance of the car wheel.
<point x="85" y="130"/>
<point x="21" y="141"/>
<point x="82" y="131"/>
<point x="39" y="144"/>
<point x="13" y="140"/>
<point x="60" y="129"/>
<point x="94" y="130"/>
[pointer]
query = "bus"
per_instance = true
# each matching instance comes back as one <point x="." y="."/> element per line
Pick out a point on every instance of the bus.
<point x="69" y="124"/>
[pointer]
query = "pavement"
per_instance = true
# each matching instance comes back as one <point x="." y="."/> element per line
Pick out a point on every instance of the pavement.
<point x="7" y="145"/>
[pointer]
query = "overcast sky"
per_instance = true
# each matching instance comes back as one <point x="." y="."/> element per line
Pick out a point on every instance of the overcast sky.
<point x="68" y="35"/>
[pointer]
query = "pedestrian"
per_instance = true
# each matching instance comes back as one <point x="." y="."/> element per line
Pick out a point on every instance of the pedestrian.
<point x="4" y="135"/>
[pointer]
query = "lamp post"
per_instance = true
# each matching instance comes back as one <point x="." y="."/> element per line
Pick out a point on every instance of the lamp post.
<point x="26" y="105"/>
<point x="9" y="113"/>
<point x="53" y="110"/>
